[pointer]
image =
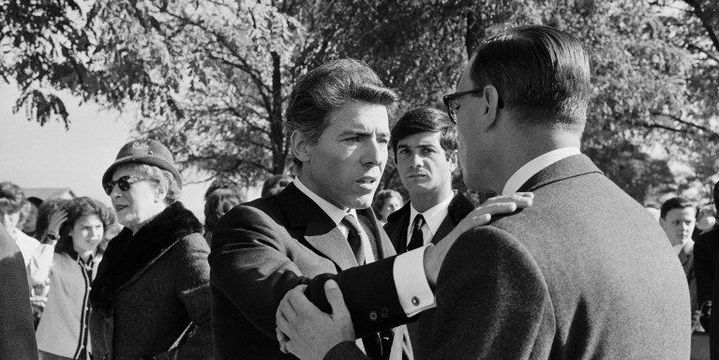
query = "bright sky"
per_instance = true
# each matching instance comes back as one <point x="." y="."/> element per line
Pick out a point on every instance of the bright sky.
<point x="49" y="156"/>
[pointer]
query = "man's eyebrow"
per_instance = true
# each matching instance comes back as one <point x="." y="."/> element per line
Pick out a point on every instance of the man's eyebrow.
<point x="354" y="132"/>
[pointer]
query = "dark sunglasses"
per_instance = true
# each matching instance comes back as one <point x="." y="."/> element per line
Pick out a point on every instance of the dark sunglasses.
<point x="124" y="183"/>
<point x="450" y="101"/>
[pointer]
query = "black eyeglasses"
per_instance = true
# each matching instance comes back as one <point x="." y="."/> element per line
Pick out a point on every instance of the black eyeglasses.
<point x="450" y="101"/>
<point x="124" y="183"/>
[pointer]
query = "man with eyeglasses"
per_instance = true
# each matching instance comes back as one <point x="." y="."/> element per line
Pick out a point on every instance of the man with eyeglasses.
<point x="578" y="275"/>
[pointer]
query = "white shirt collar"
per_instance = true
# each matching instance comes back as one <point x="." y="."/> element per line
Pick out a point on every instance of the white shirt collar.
<point x="433" y="218"/>
<point x="335" y="213"/>
<point x="524" y="173"/>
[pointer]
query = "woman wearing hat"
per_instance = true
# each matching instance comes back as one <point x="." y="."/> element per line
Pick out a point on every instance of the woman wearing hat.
<point x="151" y="294"/>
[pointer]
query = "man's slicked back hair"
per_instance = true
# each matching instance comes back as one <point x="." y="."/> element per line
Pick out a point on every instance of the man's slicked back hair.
<point x="425" y="119"/>
<point x="329" y="87"/>
<point x="539" y="71"/>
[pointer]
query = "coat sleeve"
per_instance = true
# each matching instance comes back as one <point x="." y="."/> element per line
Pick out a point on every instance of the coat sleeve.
<point x="250" y="266"/>
<point x="17" y="334"/>
<point x="370" y="294"/>
<point x="193" y="290"/>
<point x="492" y="301"/>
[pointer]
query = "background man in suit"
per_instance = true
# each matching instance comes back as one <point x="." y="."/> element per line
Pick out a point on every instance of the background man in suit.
<point x="17" y="333"/>
<point x="580" y="274"/>
<point x="678" y="219"/>
<point x="424" y="142"/>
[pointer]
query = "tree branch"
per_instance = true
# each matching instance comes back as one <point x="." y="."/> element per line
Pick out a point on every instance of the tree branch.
<point x="712" y="135"/>
<point x="699" y="12"/>
<point x="704" y="51"/>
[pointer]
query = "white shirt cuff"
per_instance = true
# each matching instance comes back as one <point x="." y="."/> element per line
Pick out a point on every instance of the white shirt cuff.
<point x="411" y="283"/>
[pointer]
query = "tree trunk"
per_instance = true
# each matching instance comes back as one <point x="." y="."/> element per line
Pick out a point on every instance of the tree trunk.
<point x="277" y="134"/>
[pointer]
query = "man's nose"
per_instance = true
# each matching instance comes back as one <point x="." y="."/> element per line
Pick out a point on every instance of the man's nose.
<point x="375" y="153"/>
<point x="417" y="160"/>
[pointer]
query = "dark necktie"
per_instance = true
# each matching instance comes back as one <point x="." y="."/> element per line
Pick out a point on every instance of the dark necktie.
<point x="417" y="239"/>
<point x="353" y="238"/>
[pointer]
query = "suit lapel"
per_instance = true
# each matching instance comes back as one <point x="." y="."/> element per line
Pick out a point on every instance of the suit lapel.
<point x="315" y="227"/>
<point x="377" y="235"/>
<point x="333" y="245"/>
<point x="396" y="228"/>
<point x="572" y="166"/>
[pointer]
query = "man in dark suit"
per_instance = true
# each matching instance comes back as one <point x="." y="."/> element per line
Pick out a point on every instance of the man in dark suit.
<point x="17" y="333"/>
<point x="424" y="142"/>
<point x="583" y="273"/>
<point x="678" y="219"/>
<point x="321" y="223"/>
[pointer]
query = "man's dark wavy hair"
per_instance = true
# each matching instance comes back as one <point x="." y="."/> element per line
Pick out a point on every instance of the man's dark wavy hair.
<point x="328" y="87"/>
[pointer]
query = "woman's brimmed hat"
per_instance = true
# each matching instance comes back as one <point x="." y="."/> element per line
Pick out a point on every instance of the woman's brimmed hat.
<point x="149" y="152"/>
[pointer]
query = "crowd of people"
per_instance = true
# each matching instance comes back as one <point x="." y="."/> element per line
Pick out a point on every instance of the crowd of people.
<point x="561" y="264"/>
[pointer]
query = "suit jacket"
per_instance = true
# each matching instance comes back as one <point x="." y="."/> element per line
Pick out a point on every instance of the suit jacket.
<point x="580" y="274"/>
<point x="706" y="251"/>
<point x="398" y="221"/>
<point x="261" y="250"/>
<point x="17" y="332"/>
<point x="396" y="229"/>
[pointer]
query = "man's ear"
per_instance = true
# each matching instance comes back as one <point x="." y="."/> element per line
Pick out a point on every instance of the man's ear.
<point x="453" y="163"/>
<point x="491" y="106"/>
<point x="300" y="146"/>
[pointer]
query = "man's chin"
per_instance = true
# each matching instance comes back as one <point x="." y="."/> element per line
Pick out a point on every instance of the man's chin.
<point x="362" y="202"/>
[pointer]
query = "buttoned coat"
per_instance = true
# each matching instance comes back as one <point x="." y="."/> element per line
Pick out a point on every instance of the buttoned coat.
<point x="261" y="250"/>
<point x="148" y="289"/>
<point x="584" y="273"/>
<point x="17" y="333"/>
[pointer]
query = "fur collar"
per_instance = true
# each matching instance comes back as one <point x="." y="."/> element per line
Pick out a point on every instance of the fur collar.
<point x="128" y="255"/>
